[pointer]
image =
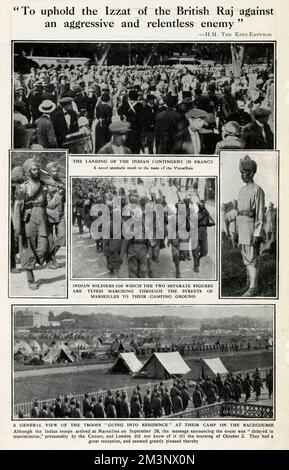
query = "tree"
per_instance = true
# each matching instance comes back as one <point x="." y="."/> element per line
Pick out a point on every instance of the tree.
<point x="237" y="52"/>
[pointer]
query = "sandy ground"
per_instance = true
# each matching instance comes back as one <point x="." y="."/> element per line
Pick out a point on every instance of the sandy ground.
<point x="87" y="264"/>
<point x="52" y="282"/>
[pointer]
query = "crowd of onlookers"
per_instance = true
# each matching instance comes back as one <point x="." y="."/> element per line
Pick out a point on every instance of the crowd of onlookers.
<point x="168" y="109"/>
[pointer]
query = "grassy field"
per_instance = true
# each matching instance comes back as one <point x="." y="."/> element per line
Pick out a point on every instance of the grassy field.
<point x="234" y="274"/>
<point x="29" y="388"/>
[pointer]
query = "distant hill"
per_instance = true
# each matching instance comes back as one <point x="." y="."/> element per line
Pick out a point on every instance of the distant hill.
<point x="122" y="322"/>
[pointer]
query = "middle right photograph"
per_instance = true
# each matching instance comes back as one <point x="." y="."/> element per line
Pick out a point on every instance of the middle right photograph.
<point x="249" y="201"/>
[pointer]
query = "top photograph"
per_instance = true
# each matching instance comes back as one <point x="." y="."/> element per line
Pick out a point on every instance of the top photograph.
<point x="143" y="98"/>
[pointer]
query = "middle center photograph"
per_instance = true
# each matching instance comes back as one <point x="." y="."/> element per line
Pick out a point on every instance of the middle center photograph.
<point x="143" y="227"/>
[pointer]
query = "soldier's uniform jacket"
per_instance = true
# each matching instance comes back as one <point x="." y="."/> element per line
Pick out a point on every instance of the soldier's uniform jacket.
<point x="30" y="209"/>
<point x="250" y="221"/>
<point x="55" y="202"/>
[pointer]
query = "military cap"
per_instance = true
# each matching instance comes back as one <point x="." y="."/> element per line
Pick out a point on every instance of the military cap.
<point x="120" y="127"/>
<point x="197" y="113"/>
<point x="66" y="100"/>
<point x="247" y="164"/>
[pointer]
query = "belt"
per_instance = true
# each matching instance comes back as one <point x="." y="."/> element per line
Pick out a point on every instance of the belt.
<point x="247" y="214"/>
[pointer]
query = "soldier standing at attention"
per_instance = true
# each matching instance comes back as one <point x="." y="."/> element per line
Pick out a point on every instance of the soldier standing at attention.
<point x="250" y="221"/>
<point x="30" y="224"/>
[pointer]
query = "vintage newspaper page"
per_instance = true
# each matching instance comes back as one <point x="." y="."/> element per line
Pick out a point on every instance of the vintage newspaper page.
<point x="144" y="230"/>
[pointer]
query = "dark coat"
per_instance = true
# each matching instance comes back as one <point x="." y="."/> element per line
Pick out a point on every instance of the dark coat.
<point x="60" y="127"/>
<point x="107" y="149"/>
<point x="253" y="137"/>
<point x="45" y="132"/>
<point x="165" y="130"/>
<point x="103" y="113"/>
<point x="182" y="144"/>
<point x="135" y="118"/>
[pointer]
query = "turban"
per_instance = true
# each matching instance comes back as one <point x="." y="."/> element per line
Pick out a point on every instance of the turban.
<point x="247" y="164"/>
<point x="51" y="166"/>
<point x="29" y="164"/>
<point x="17" y="174"/>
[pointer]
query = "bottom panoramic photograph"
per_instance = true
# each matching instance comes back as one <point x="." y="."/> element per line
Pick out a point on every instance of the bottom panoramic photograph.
<point x="144" y="362"/>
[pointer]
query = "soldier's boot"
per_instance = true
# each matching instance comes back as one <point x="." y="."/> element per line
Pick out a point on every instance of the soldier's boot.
<point x="178" y="271"/>
<point x="197" y="264"/>
<point x="32" y="284"/>
<point x="253" y="273"/>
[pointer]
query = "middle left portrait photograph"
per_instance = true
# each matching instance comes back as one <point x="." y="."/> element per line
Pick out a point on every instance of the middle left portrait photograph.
<point x="37" y="242"/>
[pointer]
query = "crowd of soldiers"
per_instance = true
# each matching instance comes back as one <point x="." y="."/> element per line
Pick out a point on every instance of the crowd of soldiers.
<point x="159" y="399"/>
<point x="143" y="251"/>
<point x="38" y="217"/>
<point x="157" y="109"/>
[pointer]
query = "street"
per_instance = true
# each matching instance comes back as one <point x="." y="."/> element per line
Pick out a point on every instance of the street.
<point x="88" y="264"/>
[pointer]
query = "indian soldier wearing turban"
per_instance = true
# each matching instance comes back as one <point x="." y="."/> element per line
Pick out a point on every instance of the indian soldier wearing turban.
<point x="30" y="225"/>
<point x="30" y="220"/>
<point x="250" y="221"/>
<point x="55" y="212"/>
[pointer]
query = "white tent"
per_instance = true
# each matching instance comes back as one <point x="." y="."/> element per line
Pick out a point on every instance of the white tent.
<point x="57" y="355"/>
<point x="126" y="363"/>
<point x="164" y="365"/>
<point x="24" y="348"/>
<point x="212" y="367"/>
<point x="36" y="348"/>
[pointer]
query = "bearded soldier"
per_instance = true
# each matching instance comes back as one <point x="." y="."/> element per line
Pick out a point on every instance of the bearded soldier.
<point x="250" y="221"/>
<point x="55" y="212"/>
<point x="30" y="224"/>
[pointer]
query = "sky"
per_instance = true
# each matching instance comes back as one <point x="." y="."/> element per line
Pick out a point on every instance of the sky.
<point x="185" y="311"/>
<point x="266" y="175"/>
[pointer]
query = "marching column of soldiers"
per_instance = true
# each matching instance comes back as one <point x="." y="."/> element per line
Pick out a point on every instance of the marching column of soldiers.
<point x="38" y="217"/>
<point x="159" y="399"/>
<point x="143" y="251"/>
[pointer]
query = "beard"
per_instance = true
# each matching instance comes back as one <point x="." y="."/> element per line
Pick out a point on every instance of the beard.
<point x="35" y="177"/>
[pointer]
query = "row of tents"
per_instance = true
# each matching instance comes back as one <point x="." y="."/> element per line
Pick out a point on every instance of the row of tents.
<point x="163" y="366"/>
